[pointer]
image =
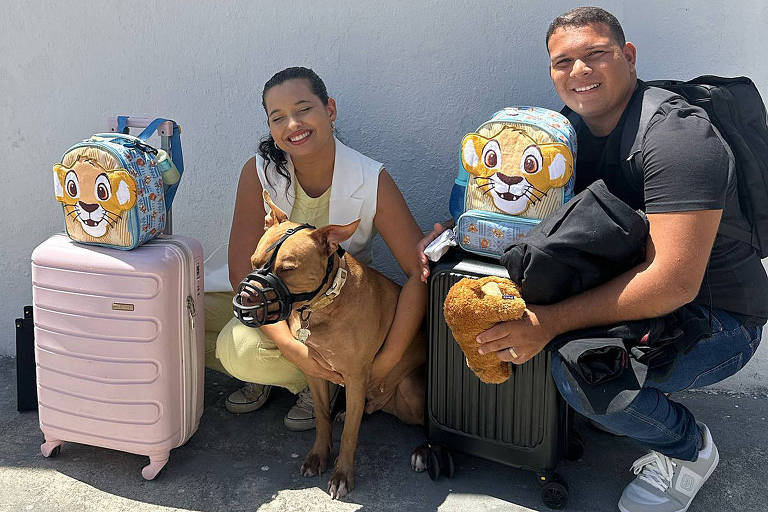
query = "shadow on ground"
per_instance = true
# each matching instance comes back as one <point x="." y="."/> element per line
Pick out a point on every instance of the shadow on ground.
<point x="250" y="462"/>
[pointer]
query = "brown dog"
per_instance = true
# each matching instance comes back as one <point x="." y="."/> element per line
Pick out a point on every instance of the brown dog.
<point x="345" y="336"/>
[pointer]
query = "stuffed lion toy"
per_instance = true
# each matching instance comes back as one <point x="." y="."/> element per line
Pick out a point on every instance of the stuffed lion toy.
<point x="475" y="305"/>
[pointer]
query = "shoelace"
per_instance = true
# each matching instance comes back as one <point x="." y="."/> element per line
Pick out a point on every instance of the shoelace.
<point x="656" y="469"/>
<point x="305" y="400"/>
<point x="253" y="390"/>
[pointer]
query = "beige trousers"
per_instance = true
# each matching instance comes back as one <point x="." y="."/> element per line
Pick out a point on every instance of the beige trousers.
<point x="244" y="352"/>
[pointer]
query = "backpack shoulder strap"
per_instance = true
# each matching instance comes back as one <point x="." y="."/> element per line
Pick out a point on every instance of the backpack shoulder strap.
<point x="638" y="116"/>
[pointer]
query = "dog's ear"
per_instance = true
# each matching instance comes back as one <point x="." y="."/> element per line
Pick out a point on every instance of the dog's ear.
<point x="275" y="215"/>
<point x="332" y="235"/>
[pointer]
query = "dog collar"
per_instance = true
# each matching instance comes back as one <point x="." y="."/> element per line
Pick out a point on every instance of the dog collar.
<point x="331" y="293"/>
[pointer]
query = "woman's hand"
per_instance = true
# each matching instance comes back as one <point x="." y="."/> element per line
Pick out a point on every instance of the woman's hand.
<point x="299" y="354"/>
<point x="382" y="365"/>
<point x="437" y="229"/>
<point x="517" y="341"/>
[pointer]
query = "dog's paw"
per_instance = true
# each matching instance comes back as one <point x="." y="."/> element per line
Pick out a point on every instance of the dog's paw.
<point x="419" y="458"/>
<point x="340" y="485"/>
<point x="314" y="465"/>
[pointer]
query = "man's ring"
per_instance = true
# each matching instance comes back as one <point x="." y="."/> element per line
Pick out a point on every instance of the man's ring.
<point x="512" y="352"/>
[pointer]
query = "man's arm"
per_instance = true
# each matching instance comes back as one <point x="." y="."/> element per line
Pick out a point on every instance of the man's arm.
<point x="677" y="254"/>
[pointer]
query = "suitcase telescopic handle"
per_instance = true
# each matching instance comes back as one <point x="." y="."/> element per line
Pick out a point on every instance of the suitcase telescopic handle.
<point x="164" y="130"/>
<point x="170" y="136"/>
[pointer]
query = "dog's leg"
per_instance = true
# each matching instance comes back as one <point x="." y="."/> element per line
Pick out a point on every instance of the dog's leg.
<point x="343" y="478"/>
<point x="317" y="458"/>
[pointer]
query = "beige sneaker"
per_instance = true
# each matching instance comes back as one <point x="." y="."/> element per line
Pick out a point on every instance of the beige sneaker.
<point x="302" y="415"/>
<point x="248" y="398"/>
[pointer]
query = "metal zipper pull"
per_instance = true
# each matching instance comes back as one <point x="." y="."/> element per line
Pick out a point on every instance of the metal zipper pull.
<point x="191" y="310"/>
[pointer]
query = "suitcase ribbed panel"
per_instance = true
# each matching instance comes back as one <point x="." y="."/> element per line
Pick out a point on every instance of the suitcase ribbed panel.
<point x="516" y="422"/>
<point x="112" y="368"/>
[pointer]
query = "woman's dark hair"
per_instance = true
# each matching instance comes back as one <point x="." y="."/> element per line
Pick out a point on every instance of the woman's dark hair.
<point x="582" y="16"/>
<point x="268" y="150"/>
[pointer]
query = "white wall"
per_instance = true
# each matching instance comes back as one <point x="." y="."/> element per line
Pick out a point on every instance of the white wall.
<point x="410" y="79"/>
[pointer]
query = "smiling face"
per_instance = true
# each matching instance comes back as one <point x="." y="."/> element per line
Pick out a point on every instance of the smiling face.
<point x="515" y="171"/>
<point x="592" y="74"/>
<point x="298" y="120"/>
<point x="94" y="197"/>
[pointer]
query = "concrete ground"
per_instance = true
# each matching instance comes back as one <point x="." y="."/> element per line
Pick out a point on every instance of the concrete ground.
<point x="250" y="462"/>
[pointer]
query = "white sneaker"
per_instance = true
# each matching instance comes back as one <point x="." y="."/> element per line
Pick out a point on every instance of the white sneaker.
<point x="665" y="484"/>
<point x="248" y="398"/>
<point x="302" y="415"/>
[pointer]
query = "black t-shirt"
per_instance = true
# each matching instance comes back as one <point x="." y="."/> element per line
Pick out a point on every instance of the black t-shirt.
<point x="685" y="168"/>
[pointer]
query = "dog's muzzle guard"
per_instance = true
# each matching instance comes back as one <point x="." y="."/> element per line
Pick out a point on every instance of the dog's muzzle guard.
<point x="272" y="300"/>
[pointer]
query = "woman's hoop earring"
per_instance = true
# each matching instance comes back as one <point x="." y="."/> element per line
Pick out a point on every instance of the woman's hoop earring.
<point x="333" y="126"/>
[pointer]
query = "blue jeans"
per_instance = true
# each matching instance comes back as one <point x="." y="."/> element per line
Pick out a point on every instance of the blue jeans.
<point x="654" y="420"/>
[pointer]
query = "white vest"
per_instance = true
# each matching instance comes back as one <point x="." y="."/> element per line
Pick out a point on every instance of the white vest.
<point x="354" y="189"/>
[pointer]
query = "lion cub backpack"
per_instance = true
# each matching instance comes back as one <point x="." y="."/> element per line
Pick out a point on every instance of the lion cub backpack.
<point x="115" y="189"/>
<point x="515" y="170"/>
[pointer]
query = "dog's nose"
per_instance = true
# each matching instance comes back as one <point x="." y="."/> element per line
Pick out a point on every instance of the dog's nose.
<point x="89" y="207"/>
<point x="246" y="298"/>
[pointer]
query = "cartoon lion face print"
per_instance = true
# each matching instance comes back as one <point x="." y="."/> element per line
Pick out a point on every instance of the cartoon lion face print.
<point x="93" y="196"/>
<point x="515" y="171"/>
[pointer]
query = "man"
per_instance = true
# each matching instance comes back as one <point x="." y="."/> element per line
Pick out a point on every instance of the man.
<point x="686" y="186"/>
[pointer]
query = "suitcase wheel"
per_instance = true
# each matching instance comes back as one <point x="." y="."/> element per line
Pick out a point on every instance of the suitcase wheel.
<point x="554" y="491"/>
<point x="51" y="449"/>
<point x="440" y="462"/>
<point x="156" y="464"/>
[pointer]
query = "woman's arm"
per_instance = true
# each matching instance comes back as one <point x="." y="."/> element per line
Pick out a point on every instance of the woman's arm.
<point x="247" y="223"/>
<point x="401" y="233"/>
<point x="298" y="353"/>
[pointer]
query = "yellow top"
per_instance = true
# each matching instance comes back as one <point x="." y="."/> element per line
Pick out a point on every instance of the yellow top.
<point x="310" y="210"/>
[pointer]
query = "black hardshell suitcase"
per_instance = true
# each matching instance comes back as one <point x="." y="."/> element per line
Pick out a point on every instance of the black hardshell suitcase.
<point x="522" y="422"/>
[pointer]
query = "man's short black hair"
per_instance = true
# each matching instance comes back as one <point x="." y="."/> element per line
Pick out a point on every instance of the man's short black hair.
<point x="582" y="16"/>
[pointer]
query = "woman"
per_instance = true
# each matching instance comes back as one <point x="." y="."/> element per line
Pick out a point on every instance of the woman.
<point x="317" y="180"/>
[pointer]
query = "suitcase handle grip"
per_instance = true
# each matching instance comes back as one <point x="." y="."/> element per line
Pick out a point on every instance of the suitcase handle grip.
<point x="164" y="130"/>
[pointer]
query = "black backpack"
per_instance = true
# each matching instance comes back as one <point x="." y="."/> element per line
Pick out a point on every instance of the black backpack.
<point x="736" y="110"/>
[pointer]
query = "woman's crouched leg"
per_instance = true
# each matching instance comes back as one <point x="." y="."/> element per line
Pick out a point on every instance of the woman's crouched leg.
<point x="247" y="354"/>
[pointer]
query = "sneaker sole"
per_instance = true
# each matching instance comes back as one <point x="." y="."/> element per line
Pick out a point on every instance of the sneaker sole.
<point x="299" y="425"/>
<point x="687" y="506"/>
<point x="309" y="424"/>
<point x="243" y="408"/>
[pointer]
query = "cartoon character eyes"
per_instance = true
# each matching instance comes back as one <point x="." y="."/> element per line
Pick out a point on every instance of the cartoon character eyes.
<point x="492" y="155"/>
<point x="71" y="184"/>
<point x="531" y="160"/>
<point x="102" y="187"/>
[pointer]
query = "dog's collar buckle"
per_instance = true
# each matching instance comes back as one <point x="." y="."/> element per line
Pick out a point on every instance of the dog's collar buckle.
<point x="332" y="292"/>
<point x="338" y="282"/>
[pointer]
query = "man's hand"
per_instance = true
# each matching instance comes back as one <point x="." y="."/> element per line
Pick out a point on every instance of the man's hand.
<point x="299" y="354"/>
<point x="438" y="228"/>
<point x="517" y="341"/>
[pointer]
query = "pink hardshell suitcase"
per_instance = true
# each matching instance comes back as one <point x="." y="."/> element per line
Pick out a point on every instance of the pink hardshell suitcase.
<point x="119" y="345"/>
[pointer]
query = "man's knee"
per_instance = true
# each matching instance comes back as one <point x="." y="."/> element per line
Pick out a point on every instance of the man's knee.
<point x="564" y="386"/>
